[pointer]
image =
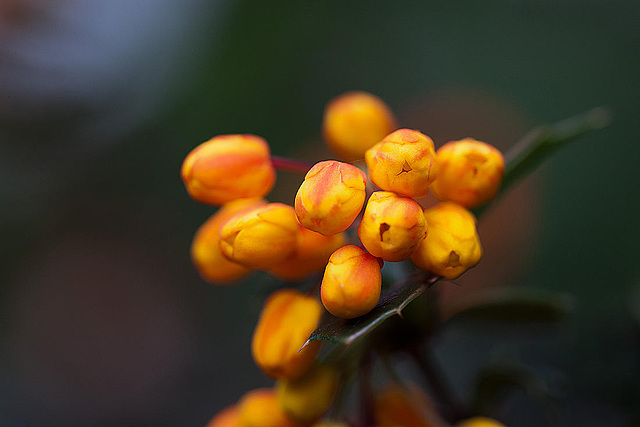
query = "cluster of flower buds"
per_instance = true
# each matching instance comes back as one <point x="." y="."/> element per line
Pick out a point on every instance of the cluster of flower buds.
<point x="344" y="221"/>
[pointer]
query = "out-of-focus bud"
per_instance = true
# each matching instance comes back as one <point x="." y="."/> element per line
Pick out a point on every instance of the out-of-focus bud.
<point x="480" y="422"/>
<point x="399" y="406"/>
<point x="325" y="423"/>
<point x="260" y="408"/>
<point x="228" y="167"/>
<point x="312" y="255"/>
<point x="331" y="197"/>
<point x="392" y="226"/>
<point x="260" y="237"/>
<point x="287" y="320"/>
<point x="469" y="172"/>
<point x="452" y="244"/>
<point x="404" y="162"/>
<point x="354" y="122"/>
<point x="351" y="283"/>
<point x="228" y="417"/>
<point x="308" y="397"/>
<point x="205" y="249"/>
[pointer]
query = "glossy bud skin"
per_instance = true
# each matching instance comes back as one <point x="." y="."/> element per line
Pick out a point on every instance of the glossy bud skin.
<point x="311" y="256"/>
<point x="260" y="408"/>
<point x="260" y="237"/>
<point x="469" y="172"/>
<point x="452" y="244"/>
<point x="354" y="122"/>
<point x="228" y="167"/>
<point x="399" y="406"/>
<point x="205" y="249"/>
<point x="351" y="283"/>
<point x="404" y="162"/>
<point x="287" y="320"/>
<point x="228" y="417"/>
<point x="331" y="197"/>
<point x="308" y="397"/>
<point x="480" y="422"/>
<point x="392" y="226"/>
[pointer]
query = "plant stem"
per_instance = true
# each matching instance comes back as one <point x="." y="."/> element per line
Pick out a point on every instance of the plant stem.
<point x="366" y="392"/>
<point x="291" y="165"/>
<point x="541" y="142"/>
<point x="433" y="374"/>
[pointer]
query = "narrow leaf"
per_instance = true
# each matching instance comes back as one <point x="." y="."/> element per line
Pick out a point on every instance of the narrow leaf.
<point x="512" y="305"/>
<point x="391" y="303"/>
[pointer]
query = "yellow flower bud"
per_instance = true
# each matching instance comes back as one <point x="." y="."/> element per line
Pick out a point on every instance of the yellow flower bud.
<point x="480" y="422"/>
<point x="308" y="397"/>
<point x="400" y="406"/>
<point x="404" y="162"/>
<point x="260" y="237"/>
<point x="311" y="256"/>
<point x="452" y="244"/>
<point x="354" y="122"/>
<point x="260" y="408"/>
<point x="469" y="172"/>
<point x="331" y="197"/>
<point x="351" y="283"/>
<point x="205" y="249"/>
<point x="330" y="424"/>
<point x="287" y="320"/>
<point x="392" y="226"/>
<point x="228" y="167"/>
<point x="228" y="417"/>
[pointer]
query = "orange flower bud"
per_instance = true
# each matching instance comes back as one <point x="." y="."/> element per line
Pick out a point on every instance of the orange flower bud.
<point x="404" y="162"/>
<point x="351" y="282"/>
<point x="260" y="237"/>
<point x="260" y="408"/>
<point x="469" y="172"/>
<point x="480" y="422"/>
<point x="331" y="197"/>
<point x="312" y="255"/>
<point x="228" y="417"/>
<point x="354" y="122"/>
<point x="399" y="406"/>
<point x="452" y="244"/>
<point x="308" y="397"/>
<point x="228" y="167"/>
<point x="330" y="424"/>
<point x="205" y="249"/>
<point x="392" y="226"/>
<point x="287" y="320"/>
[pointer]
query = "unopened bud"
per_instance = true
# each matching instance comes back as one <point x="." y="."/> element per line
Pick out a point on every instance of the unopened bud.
<point x="469" y="172"/>
<point x="205" y="248"/>
<point x="392" y="226"/>
<point x="260" y="237"/>
<point x="331" y="197"/>
<point x="308" y="397"/>
<point x="404" y="162"/>
<point x="228" y="167"/>
<point x="452" y="244"/>
<point x="354" y="122"/>
<point x="287" y="320"/>
<point x="351" y="283"/>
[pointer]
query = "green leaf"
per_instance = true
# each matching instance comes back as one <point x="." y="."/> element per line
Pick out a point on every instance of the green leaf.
<point x="494" y="383"/>
<point x="541" y="142"/>
<point x="512" y="305"/>
<point x="527" y="154"/>
<point x="391" y="303"/>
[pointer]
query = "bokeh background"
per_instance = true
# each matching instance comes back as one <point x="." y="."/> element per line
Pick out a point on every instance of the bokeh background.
<point x="104" y="320"/>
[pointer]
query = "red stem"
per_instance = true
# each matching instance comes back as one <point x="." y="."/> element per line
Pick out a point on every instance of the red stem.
<point x="291" y="165"/>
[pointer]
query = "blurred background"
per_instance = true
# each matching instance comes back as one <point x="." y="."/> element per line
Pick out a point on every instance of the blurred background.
<point x="104" y="320"/>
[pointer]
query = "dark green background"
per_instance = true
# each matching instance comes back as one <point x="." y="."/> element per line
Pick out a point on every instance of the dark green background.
<point x="105" y="321"/>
